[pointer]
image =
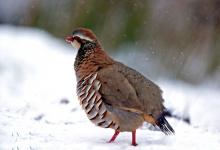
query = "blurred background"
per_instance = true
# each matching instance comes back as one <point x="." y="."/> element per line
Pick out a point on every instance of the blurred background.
<point x="178" y="40"/>
<point x="174" y="43"/>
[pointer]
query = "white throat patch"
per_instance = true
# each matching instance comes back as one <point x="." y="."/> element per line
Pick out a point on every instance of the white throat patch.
<point x="76" y="44"/>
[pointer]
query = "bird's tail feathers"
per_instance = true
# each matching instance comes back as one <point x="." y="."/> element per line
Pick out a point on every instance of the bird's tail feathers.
<point x="164" y="125"/>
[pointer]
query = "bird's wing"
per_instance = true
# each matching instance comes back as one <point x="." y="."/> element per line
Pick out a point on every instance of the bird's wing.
<point x="117" y="91"/>
<point x="149" y="94"/>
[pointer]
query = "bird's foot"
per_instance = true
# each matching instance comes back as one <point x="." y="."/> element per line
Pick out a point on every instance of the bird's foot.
<point x="134" y="138"/>
<point x="134" y="144"/>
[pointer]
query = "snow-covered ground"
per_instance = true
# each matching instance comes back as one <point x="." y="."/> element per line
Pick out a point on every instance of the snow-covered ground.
<point x="39" y="108"/>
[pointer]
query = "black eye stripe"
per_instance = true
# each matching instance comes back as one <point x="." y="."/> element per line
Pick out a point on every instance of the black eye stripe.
<point x="82" y="36"/>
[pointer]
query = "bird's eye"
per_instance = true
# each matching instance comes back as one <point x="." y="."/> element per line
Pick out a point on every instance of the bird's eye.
<point x="78" y="39"/>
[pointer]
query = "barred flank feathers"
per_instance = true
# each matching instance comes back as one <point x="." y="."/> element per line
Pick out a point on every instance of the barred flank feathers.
<point x="91" y="101"/>
<point x="163" y="124"/>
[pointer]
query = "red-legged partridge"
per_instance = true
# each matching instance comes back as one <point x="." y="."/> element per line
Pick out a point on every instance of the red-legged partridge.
<point x="112" y="94"/>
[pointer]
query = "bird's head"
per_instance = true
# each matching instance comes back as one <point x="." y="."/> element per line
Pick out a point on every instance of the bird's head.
<point x="82" y="38"/>
<point x="88" y="48"/>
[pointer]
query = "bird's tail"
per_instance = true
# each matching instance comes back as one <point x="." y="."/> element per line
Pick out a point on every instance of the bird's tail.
<point x="164" y="125"/>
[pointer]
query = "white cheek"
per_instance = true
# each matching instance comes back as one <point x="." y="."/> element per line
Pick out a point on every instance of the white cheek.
<point x="75" y="44"/>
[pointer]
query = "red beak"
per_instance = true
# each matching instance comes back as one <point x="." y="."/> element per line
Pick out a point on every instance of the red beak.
<point x="69" y="39"/>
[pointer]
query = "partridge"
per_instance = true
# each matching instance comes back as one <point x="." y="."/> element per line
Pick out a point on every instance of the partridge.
<point x="112" y="94"/>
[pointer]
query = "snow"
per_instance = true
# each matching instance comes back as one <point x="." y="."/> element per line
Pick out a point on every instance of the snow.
<point x="39" y="108"/>
<point x="200" y="104"/>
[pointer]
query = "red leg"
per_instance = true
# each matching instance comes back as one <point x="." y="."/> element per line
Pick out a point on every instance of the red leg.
<point x="134" y="138"/>
<point x="114" y="136"/>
